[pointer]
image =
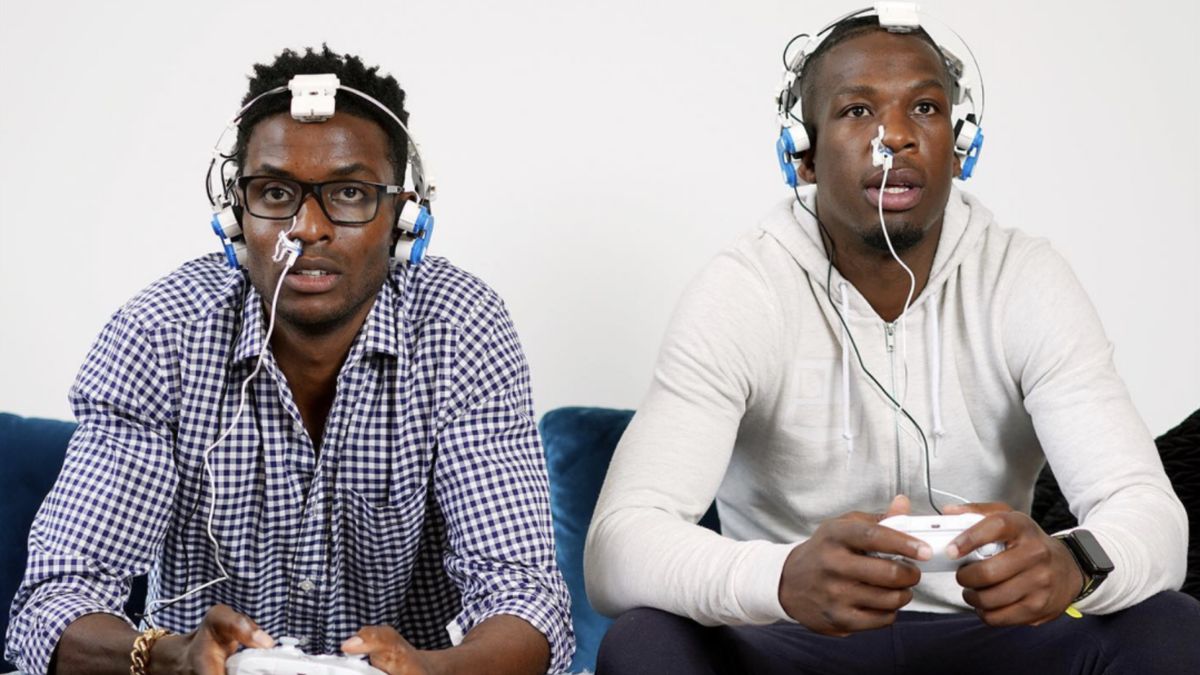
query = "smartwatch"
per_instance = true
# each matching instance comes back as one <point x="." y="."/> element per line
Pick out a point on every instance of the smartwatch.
<point x="1093" y="562"/>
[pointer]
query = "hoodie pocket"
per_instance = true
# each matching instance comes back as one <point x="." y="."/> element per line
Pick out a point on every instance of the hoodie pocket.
<point x="818" y="408"/>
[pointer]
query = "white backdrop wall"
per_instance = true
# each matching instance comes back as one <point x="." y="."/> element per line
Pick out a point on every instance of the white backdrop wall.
<point x="591" y="157"/>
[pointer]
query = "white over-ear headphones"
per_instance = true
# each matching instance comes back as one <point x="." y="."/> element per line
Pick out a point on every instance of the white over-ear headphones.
<point x="896" y="17"/>
<point x="314" y="100"/>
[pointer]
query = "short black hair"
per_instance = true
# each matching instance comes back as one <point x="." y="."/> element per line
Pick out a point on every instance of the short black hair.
<point x="842" y="32"/>
<point x="351" y="72"/>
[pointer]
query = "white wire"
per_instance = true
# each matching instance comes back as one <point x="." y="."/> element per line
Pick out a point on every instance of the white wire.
<point x="846" y="435"/>
<point x="909" y="432"/>
<point x="291" y="251"/>
<point x="912" y="278"/>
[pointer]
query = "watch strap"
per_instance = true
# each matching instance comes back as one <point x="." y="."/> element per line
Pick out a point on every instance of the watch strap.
<point x="1091" y="576"/>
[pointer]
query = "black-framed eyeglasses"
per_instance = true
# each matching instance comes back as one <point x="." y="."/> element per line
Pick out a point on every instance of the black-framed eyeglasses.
<point x="344" y="202"/>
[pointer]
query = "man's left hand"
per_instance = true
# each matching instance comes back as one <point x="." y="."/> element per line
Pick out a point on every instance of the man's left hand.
<point x="388" y="651"/>
<point x="1031" y="582"/>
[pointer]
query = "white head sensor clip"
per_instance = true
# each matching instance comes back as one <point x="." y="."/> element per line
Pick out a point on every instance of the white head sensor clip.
<point x="898" y="17"/>
<point x="313" y="97"/>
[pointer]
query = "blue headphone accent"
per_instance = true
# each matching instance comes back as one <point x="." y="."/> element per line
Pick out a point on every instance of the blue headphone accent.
<point x="972" y="155"/>
<point x="424" y="232"/>
<point x="231" y="258"/>
<point x="785" y="149"/>
<point x="226" y="226"/>
<point x="793" y="140"/>
<point x="415" y="223"/>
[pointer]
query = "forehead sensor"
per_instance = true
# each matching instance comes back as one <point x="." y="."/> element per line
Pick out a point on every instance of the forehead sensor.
<point x="313" y="97"/>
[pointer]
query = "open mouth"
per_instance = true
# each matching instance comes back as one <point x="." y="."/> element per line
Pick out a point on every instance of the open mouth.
<point x="311" y="278"/>
<point x="894" y="197"/>
<point x="902" y="192"/>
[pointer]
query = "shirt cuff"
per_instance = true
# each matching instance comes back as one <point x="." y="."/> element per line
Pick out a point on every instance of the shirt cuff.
<point x="31" y="651"/>
<point x="757" y="583"/>
<point x="554" y="623"/>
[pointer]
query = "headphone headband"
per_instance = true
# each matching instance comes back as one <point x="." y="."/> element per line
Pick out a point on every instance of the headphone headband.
<point x="314" y="99"/>
<point x="894" y="17"/>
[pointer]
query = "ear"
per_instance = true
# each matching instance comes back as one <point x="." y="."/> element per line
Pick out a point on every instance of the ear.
<point x="958" y="160"/>
<point x="807" y="169"/>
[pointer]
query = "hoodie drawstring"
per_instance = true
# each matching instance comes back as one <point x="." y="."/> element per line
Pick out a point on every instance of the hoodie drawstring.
<point x="935" y="369"/>
<point x="849" y="438"/>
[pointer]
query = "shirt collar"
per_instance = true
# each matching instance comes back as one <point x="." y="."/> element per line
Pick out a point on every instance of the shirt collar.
<point x="378" y="335"/>
<point x="250" y="338"/>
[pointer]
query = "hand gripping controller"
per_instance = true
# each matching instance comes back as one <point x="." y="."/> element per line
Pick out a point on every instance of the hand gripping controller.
<point x="938" y="532"/>
<point x="287" y="659"/>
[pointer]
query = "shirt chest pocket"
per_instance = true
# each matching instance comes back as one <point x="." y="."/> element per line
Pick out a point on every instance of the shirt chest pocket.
<point x="379" y="540"/>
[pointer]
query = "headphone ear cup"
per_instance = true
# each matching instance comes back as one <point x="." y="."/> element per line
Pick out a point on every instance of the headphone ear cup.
<point x="412" y="249"/>
<point x="968" y="141"/>
<point x="226" y="224"/>
<point x="416" y="229"/>
<point x="785" y="163"/>
<point x="792" y="141"/>
<point x="413" y="217"/>
<point x="238" y="254"/>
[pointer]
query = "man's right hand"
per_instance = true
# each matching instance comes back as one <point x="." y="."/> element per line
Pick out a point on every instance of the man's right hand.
<point x="831" y="585"/>
<point x="204" y="650"/>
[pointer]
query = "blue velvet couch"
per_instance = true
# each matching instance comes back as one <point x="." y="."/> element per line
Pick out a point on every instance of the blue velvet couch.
<point x="579" y="443"/>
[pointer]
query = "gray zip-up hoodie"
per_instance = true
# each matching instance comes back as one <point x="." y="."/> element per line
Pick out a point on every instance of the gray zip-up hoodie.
<point x="757" y="399"/>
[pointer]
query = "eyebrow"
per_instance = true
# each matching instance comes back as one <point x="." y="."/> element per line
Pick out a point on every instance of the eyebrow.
<point x="867" y="90"/>
<point x="853" y="90"/>
<point x="926" y="84"/>
<point x="346" y="170"/>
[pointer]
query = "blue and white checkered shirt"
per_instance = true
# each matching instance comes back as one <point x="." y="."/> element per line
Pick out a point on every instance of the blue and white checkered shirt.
<point x="370" y="531"/>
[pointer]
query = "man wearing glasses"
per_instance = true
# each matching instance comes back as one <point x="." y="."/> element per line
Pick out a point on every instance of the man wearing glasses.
<point x="376" y="486"/>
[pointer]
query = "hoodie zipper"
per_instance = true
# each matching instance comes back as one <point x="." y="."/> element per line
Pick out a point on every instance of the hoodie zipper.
<point x="889" y="332"/>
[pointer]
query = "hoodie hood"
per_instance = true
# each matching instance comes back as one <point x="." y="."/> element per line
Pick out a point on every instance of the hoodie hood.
<point x="964" y="225"/>
<point x="963" y="228"/>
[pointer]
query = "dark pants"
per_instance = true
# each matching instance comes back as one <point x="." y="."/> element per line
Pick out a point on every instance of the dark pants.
<point x="1158" y="636"/>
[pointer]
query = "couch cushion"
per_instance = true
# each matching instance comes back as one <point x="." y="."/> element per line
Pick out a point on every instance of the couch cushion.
<point x="1180" y="452"/>
<point x="1179" y="449"/>
<point x="579" y="443"/>
<point x="31" y="454"/>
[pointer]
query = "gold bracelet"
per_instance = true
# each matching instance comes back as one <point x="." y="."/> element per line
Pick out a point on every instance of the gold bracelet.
<point x="140" y="656"/>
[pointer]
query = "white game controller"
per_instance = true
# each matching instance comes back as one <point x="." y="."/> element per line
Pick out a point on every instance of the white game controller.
<point x="938" y="532"/>
<point x="287" y="659"/>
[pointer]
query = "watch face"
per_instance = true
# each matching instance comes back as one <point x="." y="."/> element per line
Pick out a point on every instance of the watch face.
<point x="1095" y="556"/>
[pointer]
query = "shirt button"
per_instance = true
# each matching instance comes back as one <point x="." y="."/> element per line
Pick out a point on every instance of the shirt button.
<point x="298" y="427"/>
<point x="307" y="585"/>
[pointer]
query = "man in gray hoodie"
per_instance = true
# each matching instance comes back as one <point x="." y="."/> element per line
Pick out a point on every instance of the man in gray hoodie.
<point x="796" y="388"/>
